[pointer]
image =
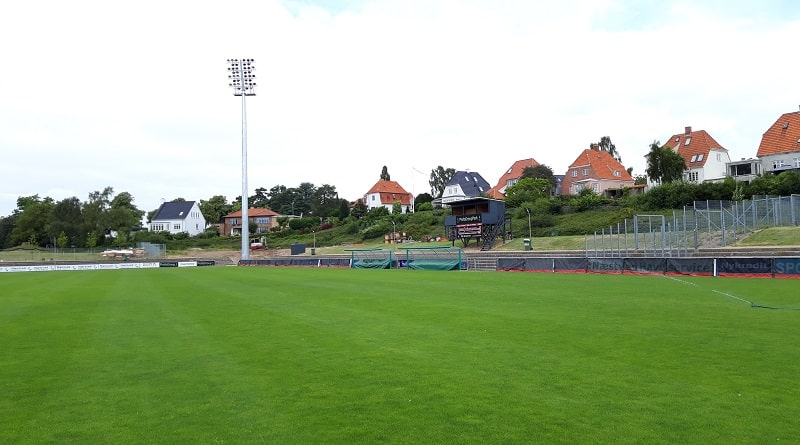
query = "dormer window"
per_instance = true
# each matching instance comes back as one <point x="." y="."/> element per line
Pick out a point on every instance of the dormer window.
<point x="694" y="158"/>
<point x="616" y="173"/>
<point x="700" y="157"/>
<point x="688" y="140"/>
<point x="508" y="172"/>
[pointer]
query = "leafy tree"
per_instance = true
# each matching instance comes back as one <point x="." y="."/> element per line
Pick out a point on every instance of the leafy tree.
<point x="344" y="208"/>
<point x="91" y="240"/>
<point x="6" y="226"/>
<point x="541" y="171"/>
<point x="215" y="208"/>
<point x="640" y="179"/>
<point x="422" y="198"/>
<point x="385" y="174"/>
<point x="397" y="208"/>
<point x="606" y="145"/>
<point x="62" y="241"/>
<point x="664" y="164"/>
<point x="66" y="218"/>
<point x="788" y="183"/>
<point x="440" y="176"/>
<point x="527" y="189"/>
<point x="32" y="220"/>
<point x="123" y="215"/>
<point x="326" y="201"/>
<point x="359" y="209"/>
<point x="95" y="216"/>
<point x="261" y="199"/>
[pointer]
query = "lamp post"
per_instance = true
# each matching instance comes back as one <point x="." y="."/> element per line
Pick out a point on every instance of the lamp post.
<point x="243" y="82"/>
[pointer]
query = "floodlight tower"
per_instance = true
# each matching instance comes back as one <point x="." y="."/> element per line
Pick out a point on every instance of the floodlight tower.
<point x="243" y="82"/>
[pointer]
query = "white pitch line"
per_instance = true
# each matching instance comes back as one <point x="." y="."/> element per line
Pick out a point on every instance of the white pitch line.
<point x="733" y="296"/>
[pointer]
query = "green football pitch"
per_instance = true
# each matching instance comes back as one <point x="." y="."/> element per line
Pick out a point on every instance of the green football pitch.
<point x="337" y="356"/>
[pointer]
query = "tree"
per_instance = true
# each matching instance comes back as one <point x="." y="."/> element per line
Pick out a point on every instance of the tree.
<point x="325" y="201"/>
<point x="32" y="220"/>
<point x="385" y="174"/>
<point x="541" y="171"/>
<point x="640" y="179"/>
<point x="664" y="164"/>
<point x="440" y="176"/>
<point x="606" y="145"/>
<point x="527" y="190"/>
<point x="261" y="199"/>
<point x="215" y="208"/>
<point x="397" y="208"/>
<point x="422" y="198"/>
<point x="66" y="218"/>
<point x="123" y="214"/>
<point x="359" y="209"/>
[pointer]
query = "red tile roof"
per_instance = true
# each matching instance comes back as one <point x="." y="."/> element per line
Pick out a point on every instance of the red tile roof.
<point x="600" y="165"/>
<point x="782" y="137"/>
<point x="390" y="191"/>
<point x="514" y="172"/>
<point x="698" y="148"/>
<point x="253" y="213"/>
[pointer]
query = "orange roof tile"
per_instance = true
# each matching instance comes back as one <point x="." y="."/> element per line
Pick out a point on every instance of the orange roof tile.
<point x="253" y="212"/>
<point x="782" y="137"/>
<point x="514" y="172"/>
<point x="693" y="146"/>
<point x="602" y="164"/>
<point x="390" y="191"/>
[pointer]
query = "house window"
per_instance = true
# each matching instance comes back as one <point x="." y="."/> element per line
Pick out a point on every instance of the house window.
<point x="693" y="176"/>
<point x="796" y="162"/>
<point x="594" y="187"/>
<point x="694" y="158"/>
<point x="373" y="197"/>
<point x="778" y="163"/>
<point x="688" y="140"/>
<point x="700" y="157"/>
<point x="719" y="157"/>
<point x="176" y="227"/>
<point x="574" y="173"/>
<point x="262" y="220"/>
<point x="585" y="172"/>
<point x="616" y="173"/>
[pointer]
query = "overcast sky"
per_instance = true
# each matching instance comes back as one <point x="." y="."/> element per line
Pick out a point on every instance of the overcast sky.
<point x="135" y="95"/>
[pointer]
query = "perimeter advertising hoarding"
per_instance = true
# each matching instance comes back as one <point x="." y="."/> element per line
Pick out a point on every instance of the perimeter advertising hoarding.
<point x="754" y="267"/>
<point x="787" y="267"/>
<point x="468" y="226"/>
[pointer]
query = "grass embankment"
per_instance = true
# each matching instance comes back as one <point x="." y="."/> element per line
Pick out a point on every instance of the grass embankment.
<point x="330" y="356"/>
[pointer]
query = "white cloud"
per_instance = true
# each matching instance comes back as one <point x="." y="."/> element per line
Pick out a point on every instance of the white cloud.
<point x="135" y="96"/>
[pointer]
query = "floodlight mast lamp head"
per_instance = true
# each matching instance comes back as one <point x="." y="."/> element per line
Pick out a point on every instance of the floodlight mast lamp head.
<point x="240" y="73"/>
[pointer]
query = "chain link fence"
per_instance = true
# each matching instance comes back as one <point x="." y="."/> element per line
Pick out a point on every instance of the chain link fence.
<point x="705" y="224"/>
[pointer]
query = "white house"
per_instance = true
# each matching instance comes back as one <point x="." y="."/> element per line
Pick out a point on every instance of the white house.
<point x="706" y="160"/>
<point x="178" y="216"/>
<point x="464" y="185"/>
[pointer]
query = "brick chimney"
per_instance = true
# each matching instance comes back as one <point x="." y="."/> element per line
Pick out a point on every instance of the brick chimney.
<point x="595" y="147"/>
<point x="687" y="131"/>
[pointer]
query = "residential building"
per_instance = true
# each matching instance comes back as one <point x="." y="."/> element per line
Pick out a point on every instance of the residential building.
<point x="464" y="185"/>
<point x="745" y="170"/>
<point x="178" y="216"/>
<point x="596" y="170"/>
<point x="705" y="158"/>
<point x="510" y="177"/>
<point x="265" y="219"/>
<point x="780" y="146"/>
<point x="385" y="193"/>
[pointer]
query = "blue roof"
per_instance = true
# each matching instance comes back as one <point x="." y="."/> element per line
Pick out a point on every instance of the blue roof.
<point x="173" y="210"/>
<point x="471" y="183"/>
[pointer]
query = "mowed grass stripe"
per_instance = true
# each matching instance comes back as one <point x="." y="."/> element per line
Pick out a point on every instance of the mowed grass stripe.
<point x="339" y="356"/>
